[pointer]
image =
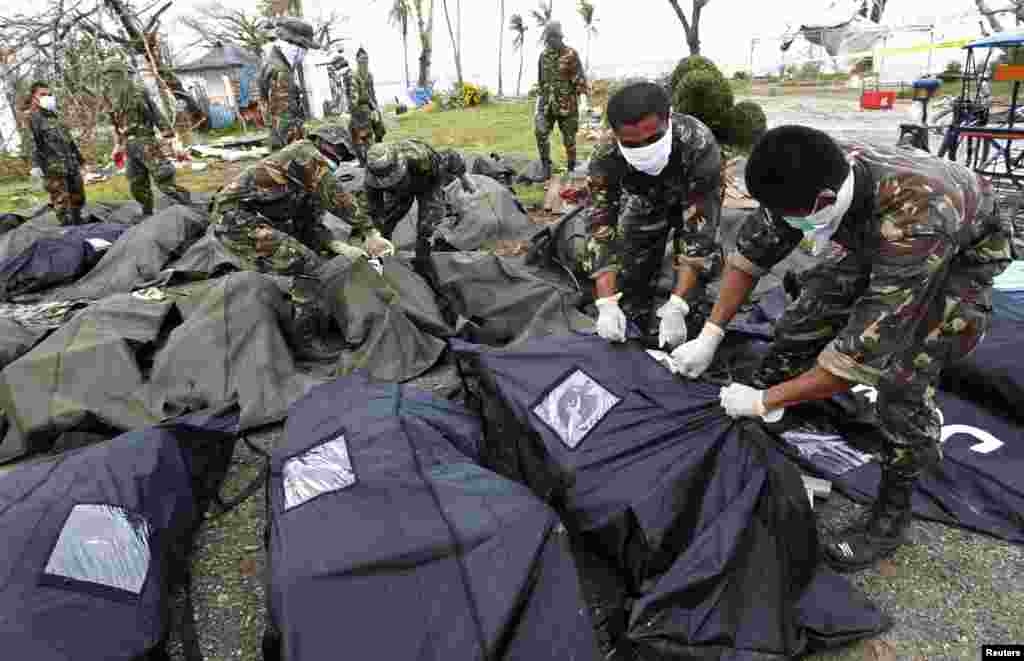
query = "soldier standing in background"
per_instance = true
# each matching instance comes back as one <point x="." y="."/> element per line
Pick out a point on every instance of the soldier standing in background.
<point x="56" y="157"/>
<point x="363" y="95"/>
<point x="560" y="80"/>
<point x="135" y="118"/>
<point x="280" y="79"/>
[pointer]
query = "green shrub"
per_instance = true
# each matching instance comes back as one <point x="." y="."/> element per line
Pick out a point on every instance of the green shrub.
<point x="688" y="64"/>
<point x="707" y="95"/>
<point x="747" y="123"/>
<point x="741" y="76"/>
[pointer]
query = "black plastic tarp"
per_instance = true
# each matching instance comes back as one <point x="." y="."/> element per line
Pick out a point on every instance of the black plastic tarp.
<point x="380" y="334"/>
<point x="993" y="376"/>
<point x="15" y="341"/>
<point x="230" y="348"/>
<point x="86" y="371"/>
<point x="51" y="261"/>
<point x="139" y="255"/>
<point x="95" y="540"/>
<point x="505" y="301"/>
<point x="693" y="512"/>
<point x="428" y="556"/>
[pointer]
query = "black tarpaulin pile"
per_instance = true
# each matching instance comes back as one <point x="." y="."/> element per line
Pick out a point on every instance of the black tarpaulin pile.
<point x="96" y="540"/>
<point x="427" y="556"/>
<point x="689" y="512"/>
<point x="229" y="349"/>
<point x="385" y="319"/>
<point x="15" y="341"/>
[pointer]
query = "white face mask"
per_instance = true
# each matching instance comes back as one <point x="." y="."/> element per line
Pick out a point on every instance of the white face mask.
<point x="48" y="103"/>
<point x="823" y="223"/>
<point x="653" y="158"/>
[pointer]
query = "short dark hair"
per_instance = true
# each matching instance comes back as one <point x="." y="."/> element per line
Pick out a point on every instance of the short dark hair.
<point x="362" y="52"/>
<point x="791" y="165"/>
<point x="635" y="101"/>
<point x="360" y="120"/>
<point x="36" y="86"/>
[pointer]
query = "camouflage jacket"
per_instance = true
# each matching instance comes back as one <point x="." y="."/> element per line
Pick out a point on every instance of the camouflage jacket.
<point x="362" y="95"/>
<point x="135" y="115"/>
<point x="560" y="81"/>
<point x="427" y="172"/>
<point x="280" y="87"/>
<point x="291" y="189"/>
<point x="693" y="171"/>
<point x="54" y="151"/>
<point x="914" y="219"/>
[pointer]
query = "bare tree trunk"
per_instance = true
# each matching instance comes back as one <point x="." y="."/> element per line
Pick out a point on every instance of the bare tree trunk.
<point x="993" y="19"/>
<point x="425" y="24"/>
<point x="455" y="43"/>
<point x="691" y="27"/>
<point x="519" y="81"/>
<point x="501" y="44"/>
<point x="405" y="51"/>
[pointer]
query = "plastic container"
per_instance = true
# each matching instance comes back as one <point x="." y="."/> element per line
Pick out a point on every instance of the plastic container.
<point x="877" y="100"/>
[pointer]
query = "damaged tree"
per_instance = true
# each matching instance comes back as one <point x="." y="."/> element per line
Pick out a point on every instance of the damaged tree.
<point x="692" y="26"/>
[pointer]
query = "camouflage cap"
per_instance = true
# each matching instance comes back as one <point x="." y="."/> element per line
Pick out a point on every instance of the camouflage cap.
<point x="553" y="29"/>
<point x="384" y="167"/>
<point x="296" y="31"/>
<point x="115" y="65"/>
<point x="333" y="133"/>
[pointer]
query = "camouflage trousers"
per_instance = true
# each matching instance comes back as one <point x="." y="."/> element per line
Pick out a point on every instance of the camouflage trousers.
<point x="260" y="247"/>
<point x="644" y="231"/>
<point x="146" y="160"/>
<point x="376" y="122"/>
<point x="284" y="130"/>
<point x="67" y="197"/>
<point x="909" y="421"/>
<point x="431" y="211"/>
<point x="544" y="124"/>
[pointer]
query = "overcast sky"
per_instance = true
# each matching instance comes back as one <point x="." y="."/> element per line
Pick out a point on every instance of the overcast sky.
<point x="632" y="33"/>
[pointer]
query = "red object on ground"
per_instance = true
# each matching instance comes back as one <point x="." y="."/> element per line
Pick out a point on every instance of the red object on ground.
<point x="119" y="160"/>
<point x="877" y="100"/>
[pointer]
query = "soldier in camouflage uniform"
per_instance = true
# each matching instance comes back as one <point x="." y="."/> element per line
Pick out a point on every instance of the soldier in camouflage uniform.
<point x="269" y="218"/>
<point x="56" y="157"/>
<point x="280" y="80"/>
<point x="399" y="173"/>
<point x="560" y="81"/>
<point x="911" y="244"/>
<point x="362" y="96"/>
<point x="658" y="173"/>
<point x="135" y="118"/>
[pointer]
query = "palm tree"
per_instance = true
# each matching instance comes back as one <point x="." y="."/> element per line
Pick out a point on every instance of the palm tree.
<point x="517" y="26"/>
<point x="456" y="43"/>
<point x="543" y="14"/>
<point x="399" y="17"/>
<point x="586" y="11"/>
<point x="501" y="43"/>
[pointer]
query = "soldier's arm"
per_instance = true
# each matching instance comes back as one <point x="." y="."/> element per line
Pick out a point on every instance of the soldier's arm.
<point x="696" y="251"/>
<point x="763" y="241"/>
<point x="581" y="75"/>
<point x="913" y="251"/>
<point x="37" y="148"/>
<point x="604" y="249"/>
<point x="386" y="208"/>
<point x="155" y="114"/>
<point x="353" y="208"/>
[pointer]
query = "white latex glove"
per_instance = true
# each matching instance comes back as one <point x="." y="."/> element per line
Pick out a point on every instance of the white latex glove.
<point x="672" y="329"/>
<point x="693" y="357"/>
<point x="611" y="321"/>
<point x="37" y="179"/>
<point x="350" y="251"/>
<point x="740" y="401"/>
<point x="37" y="173"/>
<point x="378" y="246"/>
<point x="377" y="265"/>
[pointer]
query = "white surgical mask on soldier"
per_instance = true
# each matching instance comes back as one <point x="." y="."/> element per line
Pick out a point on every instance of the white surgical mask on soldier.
<point x="48" y="103"/>
<point x="653" y="158"/>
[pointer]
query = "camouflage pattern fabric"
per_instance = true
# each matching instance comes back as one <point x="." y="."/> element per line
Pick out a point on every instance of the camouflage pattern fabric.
<point x="428" y="175"/>
<point x="146" y="160"/>
<point x="632" y="213"/>
<point x="55" y="152"/>
<point x="283" y="110"/>
<point x="269" y="216"/>
<point x="67" y="197"/>
<point x="134" y="114"/>
<point x="560" y="82"/>
<point x="906" y="289"/>
<point x="363" y="97"/>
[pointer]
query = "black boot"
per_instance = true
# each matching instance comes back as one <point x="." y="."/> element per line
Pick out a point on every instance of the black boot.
<point x="75" y="216"/>
<point x="882" y="532"/>
<point x="308" y="335"/>
<point x="546" y="169"/>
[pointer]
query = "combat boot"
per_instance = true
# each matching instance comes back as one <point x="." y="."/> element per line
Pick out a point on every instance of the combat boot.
<point x="74" y="216"/>
<point x="570" y="157"/>
<point x="308" y="335"/>
<point x="880" y="533"/>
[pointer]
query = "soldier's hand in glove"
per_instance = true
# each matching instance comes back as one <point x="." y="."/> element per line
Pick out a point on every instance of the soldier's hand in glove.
<point x="342" y="248"/>
<point x="672" y="329"/>
<point x="611" y="321"/>
<point x="37" y="173"/>
<point x="378" y="246"/>
<point x="740" y="401"/>
<point x="693" y="357"/>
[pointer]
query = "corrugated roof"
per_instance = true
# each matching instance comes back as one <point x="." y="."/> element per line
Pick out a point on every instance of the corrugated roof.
<point x="222" y="56"/>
